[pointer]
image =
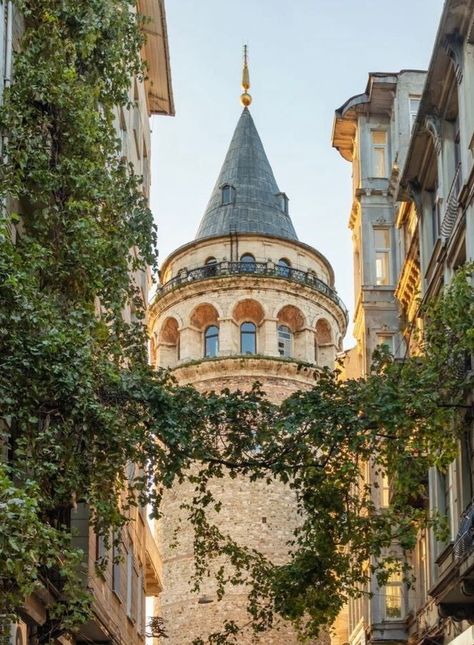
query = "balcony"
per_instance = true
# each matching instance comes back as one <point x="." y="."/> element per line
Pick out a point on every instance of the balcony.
<point x="258" y="269"/>
<point x="452" y="206"/>
<point x="454" y="591"/>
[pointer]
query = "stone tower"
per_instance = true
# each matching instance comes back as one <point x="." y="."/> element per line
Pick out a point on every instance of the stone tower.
<point x="245" y="301"/>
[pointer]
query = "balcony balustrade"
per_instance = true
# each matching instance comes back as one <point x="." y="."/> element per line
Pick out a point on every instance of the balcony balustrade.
<point x="258" y="269"/>
<point x="452" y="205"/>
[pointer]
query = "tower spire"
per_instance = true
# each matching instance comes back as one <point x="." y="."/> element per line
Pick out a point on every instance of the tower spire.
<point x="245" y="98"/>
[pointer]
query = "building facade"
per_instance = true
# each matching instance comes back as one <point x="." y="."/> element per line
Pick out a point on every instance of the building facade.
<point x="426" y="191"/>
<point x="120" y="591"/>
<point x="436" y="223"/>
<point x="372" y="131"/>
<point x="245" y="301"/>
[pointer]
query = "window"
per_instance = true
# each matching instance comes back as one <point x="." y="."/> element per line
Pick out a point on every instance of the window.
<point x="384" y="491"/>
<point x="435" y="215"/>
<point x="248" y="338"/>
<point x="394" y="596"/>
<point x="248" y="262"/>
<point x="123" y="134"/>
<point x="382" y="255"/>
<point x="228" y="195"/>
<point x="413" y="105"/>
<point x="129" y="561"/>
<point x="285" y="338"/>
<point x="100" y="551"/>
<point x="116" y="569"/>
<point x="283" y="267"/>
<point x="211" y="340"/>
<point x="140" y="601"/>
<point x="379" y="153"/>
<point x="386" y="340"/>
<point x="211" y="266"/>
<point x="284" y="202"/>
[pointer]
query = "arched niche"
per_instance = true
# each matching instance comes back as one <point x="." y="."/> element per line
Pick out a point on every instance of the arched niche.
<point x="324" y="347"/>
<point x="291" y="318"/>
<point x="204" y="315"/>
<point x="248" y="309"/>
<point x="168" y="345"/>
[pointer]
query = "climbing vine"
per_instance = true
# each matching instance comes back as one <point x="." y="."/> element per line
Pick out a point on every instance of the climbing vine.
<point x="78" y="401"/>
<point x="74" y="227"/>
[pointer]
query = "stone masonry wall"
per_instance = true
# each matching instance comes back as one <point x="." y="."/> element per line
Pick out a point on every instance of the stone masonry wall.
<point x="255" y="514"/>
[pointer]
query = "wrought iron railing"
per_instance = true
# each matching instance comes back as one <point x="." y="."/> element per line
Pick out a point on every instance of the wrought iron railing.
<point x="268" y="269"/>
<point x="452" y="205"/>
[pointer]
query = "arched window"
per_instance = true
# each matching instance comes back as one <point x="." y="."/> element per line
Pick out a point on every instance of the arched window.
<point x="283" y="267"/>
<point x="284" y="202"/>
<point x="247" y="262"/>
<point x="228" y="195"/>
<point x="248" y="338"/>
<point x="211" y="340"/>
<point x="285" y="340"/>
<point x="211" y="266"/>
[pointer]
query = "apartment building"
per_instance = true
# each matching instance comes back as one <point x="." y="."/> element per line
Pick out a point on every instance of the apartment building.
<point x="410" y="139"/>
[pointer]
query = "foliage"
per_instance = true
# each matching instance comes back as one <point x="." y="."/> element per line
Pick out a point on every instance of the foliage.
<point x="74" y="227"/>
<point x="405" y="418"/>
<point x="78" y="401"/>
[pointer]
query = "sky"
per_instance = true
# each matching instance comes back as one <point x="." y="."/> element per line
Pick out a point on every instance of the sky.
<point x="306" y="58"/>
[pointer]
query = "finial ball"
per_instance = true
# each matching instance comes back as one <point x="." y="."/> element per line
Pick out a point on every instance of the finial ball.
<point x="245" y="99"/>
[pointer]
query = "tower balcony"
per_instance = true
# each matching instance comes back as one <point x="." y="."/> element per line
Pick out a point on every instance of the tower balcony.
<point x="254" y="269"/>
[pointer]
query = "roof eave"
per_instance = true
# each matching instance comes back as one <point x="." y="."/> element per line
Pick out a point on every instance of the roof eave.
<point x="452" y="21"/>
<point x="156" y="55"/>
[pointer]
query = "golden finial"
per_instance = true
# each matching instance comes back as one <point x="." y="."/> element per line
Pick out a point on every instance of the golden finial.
<point x="245" y="98"/>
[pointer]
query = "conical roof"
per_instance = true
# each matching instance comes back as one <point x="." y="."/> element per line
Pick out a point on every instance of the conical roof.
<point x="257" y="205"/>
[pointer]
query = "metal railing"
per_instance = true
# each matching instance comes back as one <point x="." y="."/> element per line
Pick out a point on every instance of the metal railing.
<point x="267" y="269"/>
<point x="452" y="205"/>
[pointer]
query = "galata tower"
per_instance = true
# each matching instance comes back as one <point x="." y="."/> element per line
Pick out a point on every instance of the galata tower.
<point x="245" y="301"/>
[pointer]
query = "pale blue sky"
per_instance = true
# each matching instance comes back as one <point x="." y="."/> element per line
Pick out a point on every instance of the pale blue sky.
<point x="306" y="58"/>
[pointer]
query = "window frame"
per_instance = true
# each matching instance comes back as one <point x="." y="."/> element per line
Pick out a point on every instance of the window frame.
<point x="411" y="112"/>
<point x="248" y="262"/>
<point x="283" y="267"/>
<point x="211" y="337"/>
<point x="287" y="343"/>
<point x="382" y="337"/>
<point x="248" y="333"/>
<point x="375" y="149"/>
<point x="129" y="572"/>
<point x="117" y="562"/>
<point x="399" y="586"/>
<point x="385" y="253"/>
<point x="228" y="195"/>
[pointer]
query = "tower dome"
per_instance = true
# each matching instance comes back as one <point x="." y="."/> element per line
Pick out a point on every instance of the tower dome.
<point x="244" y="301"/>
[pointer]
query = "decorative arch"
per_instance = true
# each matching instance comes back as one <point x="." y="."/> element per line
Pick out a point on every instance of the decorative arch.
<point x="323" y="332"/>
<point x="204" y="315"/>
<point x="291" y="324"/>
<point x="248" y="310"/>
<point x="292" y="317"/>
<point x="166" y="349"/>
<point x="169" y="331"/>
<point x="324" y="347"/>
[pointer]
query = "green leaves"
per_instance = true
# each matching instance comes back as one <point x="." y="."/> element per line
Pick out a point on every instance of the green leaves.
<point x="78" y="402"/>
<point x="72" y="213"/>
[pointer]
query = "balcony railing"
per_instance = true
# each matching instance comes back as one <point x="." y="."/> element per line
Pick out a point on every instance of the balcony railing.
<point x="452" y="205"/>
<point x="267" y="269"/>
